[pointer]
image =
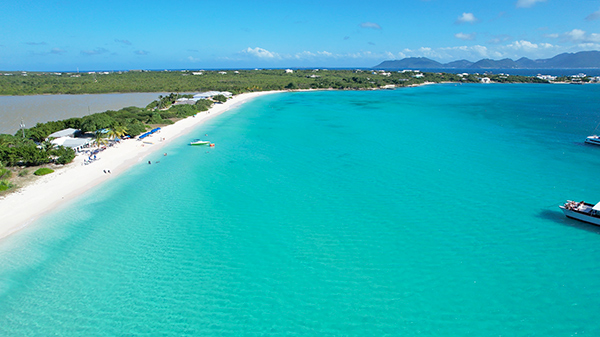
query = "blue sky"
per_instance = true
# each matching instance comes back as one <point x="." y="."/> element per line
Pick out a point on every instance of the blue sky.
<point x="64" y="35"/>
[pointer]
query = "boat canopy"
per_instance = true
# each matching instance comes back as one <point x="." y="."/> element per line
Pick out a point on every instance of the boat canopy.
<point x="596" y="207"/>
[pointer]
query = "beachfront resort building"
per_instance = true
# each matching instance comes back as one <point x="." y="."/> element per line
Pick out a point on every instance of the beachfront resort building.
<point x="68" y="138"/>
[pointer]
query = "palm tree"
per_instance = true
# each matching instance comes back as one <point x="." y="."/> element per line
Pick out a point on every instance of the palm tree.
<point x="111" y="134"/>
<point x="99" y="139"/>
<point x="120" y="130"/>
<point x="117" y="131"/>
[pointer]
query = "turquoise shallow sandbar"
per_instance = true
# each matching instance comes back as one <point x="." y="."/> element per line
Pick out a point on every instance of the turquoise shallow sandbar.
<point x="421" y="211"/>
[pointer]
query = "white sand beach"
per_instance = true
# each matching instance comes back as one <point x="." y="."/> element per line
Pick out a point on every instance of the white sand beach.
<point x="24" y="206"/>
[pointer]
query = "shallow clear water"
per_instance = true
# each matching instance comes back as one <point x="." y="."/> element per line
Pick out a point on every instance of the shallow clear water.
<point x="429" y="210"/>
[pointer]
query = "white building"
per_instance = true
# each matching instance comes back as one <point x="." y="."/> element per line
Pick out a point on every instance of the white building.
<point x="67" y="138"/>
<point x="76" y="144"/>
<point x="546" y="77"/>
<point x="64" y="133"/>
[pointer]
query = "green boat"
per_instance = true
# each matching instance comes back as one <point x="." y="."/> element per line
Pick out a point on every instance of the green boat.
<point x="199" y="142"/>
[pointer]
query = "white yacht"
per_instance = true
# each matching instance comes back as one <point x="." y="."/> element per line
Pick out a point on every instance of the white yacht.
<point x="593" y="140"/>
<point x="582" y="211"/>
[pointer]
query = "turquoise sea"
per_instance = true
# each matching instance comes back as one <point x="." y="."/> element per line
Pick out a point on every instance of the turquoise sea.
<point x="427" y="211"/>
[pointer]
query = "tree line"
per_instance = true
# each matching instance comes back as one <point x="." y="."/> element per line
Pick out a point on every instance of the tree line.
<point x="238" y="81"/>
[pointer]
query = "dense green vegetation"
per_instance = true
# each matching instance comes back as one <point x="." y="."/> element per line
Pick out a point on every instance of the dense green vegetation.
<point x="42" y="171"/>
<point x="19" y="151"/>
<point x="233" y="81"/>
<point x="5" y="174"/>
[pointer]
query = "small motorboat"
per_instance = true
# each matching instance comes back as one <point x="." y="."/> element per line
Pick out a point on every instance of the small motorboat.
<point x="199" y="142"/>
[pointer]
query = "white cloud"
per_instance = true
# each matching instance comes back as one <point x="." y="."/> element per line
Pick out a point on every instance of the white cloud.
<point x="463" y="36"/>
<point x="527" y="3"/>
<point x="371" y="25"/>
<point x="527" y="46"/>
<point x="461" y="52"/>
<point x="193" y="59"/>
<point x="575" y="35"/>
<point x="261" y="53"/>
<point x="141" y="52"/>
<point x="389" y="55"/>
<point x="580" y="36"/>
<point x="466" y="18"/>
<point x="593" y="16"/>
<point x="589" y="46"/>
<point x="304" y="54"/>
<point x="310" y="55"/>
<point x="485" y="52"/>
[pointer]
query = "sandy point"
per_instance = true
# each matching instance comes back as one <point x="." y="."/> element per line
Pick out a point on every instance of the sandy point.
<point x="21" y="208"/>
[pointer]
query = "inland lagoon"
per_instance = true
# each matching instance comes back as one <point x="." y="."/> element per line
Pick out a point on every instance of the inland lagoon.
<point x="43" y="108"/>
<point x="420" y="211"/>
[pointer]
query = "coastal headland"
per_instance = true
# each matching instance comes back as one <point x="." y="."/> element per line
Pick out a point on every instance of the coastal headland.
<point x="24" y="206"/>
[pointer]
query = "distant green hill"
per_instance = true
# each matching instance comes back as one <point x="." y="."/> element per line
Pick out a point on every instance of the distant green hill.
<point x="583" y="59"/>
<point x="489" y="64"/>
<point x="411" y="62"/>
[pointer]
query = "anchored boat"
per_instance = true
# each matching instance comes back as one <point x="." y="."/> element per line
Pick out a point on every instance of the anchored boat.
<point x="199" y="142"/>
<point x="593" y="140"/>
<point x="582" y="211"/>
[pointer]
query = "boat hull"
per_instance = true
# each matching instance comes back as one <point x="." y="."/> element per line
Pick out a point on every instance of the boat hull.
<point x="593" y="140"/>
<point x="199" y="143"/>
<point x="580" y="216"/>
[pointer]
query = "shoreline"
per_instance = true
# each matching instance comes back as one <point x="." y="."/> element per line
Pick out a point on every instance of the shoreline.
<point x="27" y="204"/>
<point x="31" y="202"/>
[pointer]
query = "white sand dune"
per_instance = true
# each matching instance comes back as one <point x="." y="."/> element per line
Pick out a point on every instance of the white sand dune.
<point x="21" y="208"/>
